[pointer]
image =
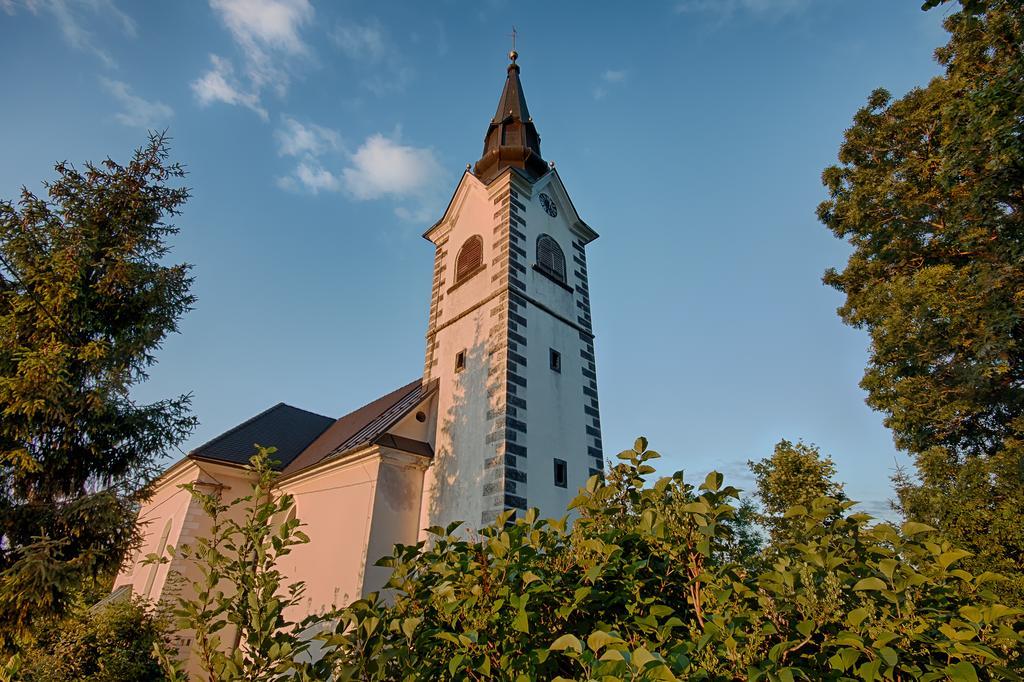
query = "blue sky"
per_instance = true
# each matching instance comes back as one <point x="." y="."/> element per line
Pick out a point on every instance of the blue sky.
<point x="323" y="138"/>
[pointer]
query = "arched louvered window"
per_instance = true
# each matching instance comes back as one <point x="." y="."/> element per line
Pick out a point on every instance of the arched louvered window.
<point x="550" y="258"/>
<point x="470" y="258"/>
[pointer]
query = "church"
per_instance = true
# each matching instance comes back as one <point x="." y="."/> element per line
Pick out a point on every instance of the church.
<point x="504" y="417"/>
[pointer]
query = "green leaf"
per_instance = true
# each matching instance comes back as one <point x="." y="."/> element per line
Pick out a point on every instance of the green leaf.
<point x="856" y="617"/>
<point x="844" y="659"/>
<point x="795" y="510"/>
<point x="912" y="528"/>
<point x="869" y="584"/>
<point x="869" y="671"/>
<point x="599" y="639"/>
<point x="529" y="577"/>
<point x="948" y="558"/>
<point x="712" y="482"/>
<point x="567" y="642"/>
<point x="962" y="672"/>
<point x="409" y="626"/>
<point x="888" y="567"/>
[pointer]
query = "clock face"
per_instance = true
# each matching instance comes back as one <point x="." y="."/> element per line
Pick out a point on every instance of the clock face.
<point x="549" y="205"/>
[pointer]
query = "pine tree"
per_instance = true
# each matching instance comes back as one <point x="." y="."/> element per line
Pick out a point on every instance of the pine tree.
<point x="86" y="299"/>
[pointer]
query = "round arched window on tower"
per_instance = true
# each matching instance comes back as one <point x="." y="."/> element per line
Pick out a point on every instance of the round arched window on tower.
<point x="550" y="258"/>
<point x="470" y="258"/>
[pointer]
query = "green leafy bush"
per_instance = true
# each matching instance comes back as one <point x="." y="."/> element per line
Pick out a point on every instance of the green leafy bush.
<point x="113" y="643"/>
<point x="642" y="586"/>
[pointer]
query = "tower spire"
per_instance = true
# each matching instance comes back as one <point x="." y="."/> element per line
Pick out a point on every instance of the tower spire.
<point x="511" y="140"/>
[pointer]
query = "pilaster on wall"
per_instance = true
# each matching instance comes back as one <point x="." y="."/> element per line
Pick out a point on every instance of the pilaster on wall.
<point x="591" y="407"/>
<point x="507" y="487"/>
<point x="436" y="297"/>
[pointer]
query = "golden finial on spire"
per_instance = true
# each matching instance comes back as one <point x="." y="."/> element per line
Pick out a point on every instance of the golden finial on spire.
<point x="513" y="55"/>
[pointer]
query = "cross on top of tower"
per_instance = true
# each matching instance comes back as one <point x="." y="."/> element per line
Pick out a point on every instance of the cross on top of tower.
<point x="513" y="55"/>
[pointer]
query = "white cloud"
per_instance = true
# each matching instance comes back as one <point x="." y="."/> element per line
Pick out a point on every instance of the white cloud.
<point x="268" y="33"/>
<point x="72" y="18"/>
<point x="380" y="168"/>
<point x="315" y="178"/>
<point x="727" y="8"/>
<point x="383" y="167"/>
<point x="295" y="138"/>
<point x="136" y="111"/>
<point x="361" y="42"/>
<point x="264" y="24"/>
<point x="309" y="142"/>
<point x="220" y="85"/>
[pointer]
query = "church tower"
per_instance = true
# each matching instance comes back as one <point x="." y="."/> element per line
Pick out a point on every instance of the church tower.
<point x="509" y="339"/>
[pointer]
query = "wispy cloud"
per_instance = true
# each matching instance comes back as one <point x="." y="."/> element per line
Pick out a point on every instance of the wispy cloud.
<point x="268" y="34"/>
<point x="610" y="78"/>
<point x="220" y="85"/>
<point x="614" y="76"/>
<point x="295" y="138"/>
<point x="728" y="8"/>
<point x="379" y="60"/>
<point x="311" y="176"/>
<point x="380" y="168"/>
<point x="136" y="111"/>
<point x="362" y="42"/>
<point x="309" y="143"/>
<point x="77" y="20"/>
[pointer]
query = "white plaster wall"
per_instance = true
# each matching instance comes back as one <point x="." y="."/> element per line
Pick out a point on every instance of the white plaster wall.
<point x="453" y="484"/>
<point x="556" y="421"/>
<point x="454" y="481"/>
<point x="410" y="427"/>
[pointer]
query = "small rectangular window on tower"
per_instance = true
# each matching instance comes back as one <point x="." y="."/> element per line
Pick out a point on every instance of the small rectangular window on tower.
<point x="556" y="361"/>
<point x="561" y="473"/>
<point x="460" y="361"/>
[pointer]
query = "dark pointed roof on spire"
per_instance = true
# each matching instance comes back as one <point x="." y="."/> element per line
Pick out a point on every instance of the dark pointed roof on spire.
<point x="511" y="140"/>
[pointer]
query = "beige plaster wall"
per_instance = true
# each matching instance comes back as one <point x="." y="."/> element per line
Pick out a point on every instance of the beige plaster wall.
<point x="161" y="518"/>
<point x="396" y="511"/>
<point x="355" y="510"/>
<point x="336" y="505"/>
<point x="173" y="510"/>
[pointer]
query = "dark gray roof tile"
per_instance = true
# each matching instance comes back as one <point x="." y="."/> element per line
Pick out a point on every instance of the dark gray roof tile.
<point x="287" y="428"/>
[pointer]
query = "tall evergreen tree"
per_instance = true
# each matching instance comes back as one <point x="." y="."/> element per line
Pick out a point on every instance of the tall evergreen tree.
<point x="930" y="193"/>
<point x="86" y="299"/>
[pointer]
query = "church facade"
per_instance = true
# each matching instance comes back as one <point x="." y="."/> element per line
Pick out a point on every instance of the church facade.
<point x="505" y="415"/>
